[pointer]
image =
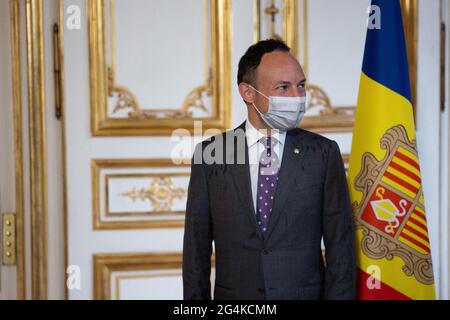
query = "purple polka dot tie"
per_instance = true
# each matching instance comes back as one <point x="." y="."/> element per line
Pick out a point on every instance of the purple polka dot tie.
<point x="269" y="165"/>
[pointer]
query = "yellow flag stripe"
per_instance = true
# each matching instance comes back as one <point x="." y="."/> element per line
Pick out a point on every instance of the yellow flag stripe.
<point x="375" y="115"/>
<point x="374" y="102"/>
<point x="417" y="228"/>
<point x="415" y="216"/>
<point x="404" y="177"/>
<point x="408" y="154"/>
<point x="406" y="165"/>
<point x="421" y="201"/>
<point x="415" y="237"/>
<point x="395" y="185"/>
<point x="419" y="209"/>
<point x="410" y="244"/>
<point x="393" y="275"/>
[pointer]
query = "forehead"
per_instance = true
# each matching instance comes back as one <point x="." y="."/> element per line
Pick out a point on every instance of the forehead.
<point x="279" y="66"/>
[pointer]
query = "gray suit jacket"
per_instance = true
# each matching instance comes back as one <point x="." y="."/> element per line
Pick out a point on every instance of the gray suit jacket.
<point x="286" y="262"/>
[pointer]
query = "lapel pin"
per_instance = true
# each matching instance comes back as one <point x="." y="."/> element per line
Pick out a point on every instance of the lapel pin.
<point x="296" y="151"/>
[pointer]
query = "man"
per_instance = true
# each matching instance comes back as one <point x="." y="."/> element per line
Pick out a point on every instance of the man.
<point x="268" y="206"/>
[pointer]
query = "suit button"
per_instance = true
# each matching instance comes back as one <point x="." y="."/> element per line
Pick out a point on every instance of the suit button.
<point x="265" y="252"/>
<point x="261" y="290"/>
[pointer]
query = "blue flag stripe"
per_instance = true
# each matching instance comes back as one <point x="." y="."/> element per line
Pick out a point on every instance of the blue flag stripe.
<point x="385" y="56"/>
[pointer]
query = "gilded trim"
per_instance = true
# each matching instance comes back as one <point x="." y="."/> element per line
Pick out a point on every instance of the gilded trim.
<point x="256" y="21"/>
<point x="126" y="99"/>
<point x="139" y="124"/>
<point x="410" y="22"/>
<point x="289" y="22"/>
<point x="341" y="119"/>
<point x="98" y="224"/>
<point x="142" y="277"/>
<point x="305" y="38"/>
<point x="138" y="194"/>
<point x="106" y="264"/>
<point x="38" y="163"/>
<point x="18" y="145"/>
<point x="290" y="25"/>
<point x="63" y="139"/>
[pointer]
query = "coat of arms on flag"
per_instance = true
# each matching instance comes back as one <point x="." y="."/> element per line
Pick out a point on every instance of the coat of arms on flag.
<point x="391" y="213"/>
<point x="384" y="172"/>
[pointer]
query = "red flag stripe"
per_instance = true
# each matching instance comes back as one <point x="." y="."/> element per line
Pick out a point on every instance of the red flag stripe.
<point x="418" y="223"/>
<point x="405" y="171"/>
<point x="420" y="215"/>
<point x="407" y="160"/>
<point x="414" y="241"/>
<point x="385" y="292"/>
<point x="401" y="182"/>
<point x="417" y="233"/>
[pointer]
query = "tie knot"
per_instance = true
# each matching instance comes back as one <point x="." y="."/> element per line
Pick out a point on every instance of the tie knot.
<point x="268" y="142"/>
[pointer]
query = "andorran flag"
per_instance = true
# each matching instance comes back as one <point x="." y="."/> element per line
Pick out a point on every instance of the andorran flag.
<point x="392" y="241"/>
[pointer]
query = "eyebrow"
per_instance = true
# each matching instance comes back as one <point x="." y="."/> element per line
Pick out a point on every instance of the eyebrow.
<point x="288" y="82"/>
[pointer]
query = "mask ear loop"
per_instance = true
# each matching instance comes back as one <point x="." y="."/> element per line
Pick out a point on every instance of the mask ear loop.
<point x="259" y="92"/>
<point x="254" y="106"/>
<point x="261" y="115"/>
<point x="259" y="112"/>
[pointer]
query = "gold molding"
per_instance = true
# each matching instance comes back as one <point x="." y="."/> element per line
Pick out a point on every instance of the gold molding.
<point x="105" y="264"/>
<point x="289" y="22"/>
<point x="38" y="163"/>
<point x="330" y="119"/>
<point x="340" y="121"/>
<point x="410" y="22"/>
<point x="63" y="139"/>
<point x="334" y="118"/>
<point x="98" y="164"/>
<point x="18" y="145"/>
<point x="144" y="194"/>
<point x="142" y="277"/>
<point x="142" y="122"/>
<point x="305" y="37"/>
<point x="126" y="99"/>
<point x="256" y="21"/>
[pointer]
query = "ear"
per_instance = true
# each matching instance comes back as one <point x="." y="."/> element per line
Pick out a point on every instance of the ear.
<point x="247" y="93"/>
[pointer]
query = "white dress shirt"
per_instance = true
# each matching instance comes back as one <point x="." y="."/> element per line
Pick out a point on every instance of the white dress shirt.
<point x="255" y="149"/>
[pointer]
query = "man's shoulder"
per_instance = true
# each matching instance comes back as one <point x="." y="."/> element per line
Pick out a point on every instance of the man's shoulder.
<point x="222" y="138"/>
<point x="305" y="136"/>
<point x="309" y="137"/>
<point x="214" y="139"/>
<point x="215" y="149"/>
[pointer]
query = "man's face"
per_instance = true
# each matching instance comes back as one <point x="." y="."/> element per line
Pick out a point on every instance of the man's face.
<point x="279" y="74"/>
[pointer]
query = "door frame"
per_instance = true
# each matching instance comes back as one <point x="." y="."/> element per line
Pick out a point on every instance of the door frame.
<point x="14" y="6"/>
<point x="37" y="148"/>
<point x="26" y="27"/>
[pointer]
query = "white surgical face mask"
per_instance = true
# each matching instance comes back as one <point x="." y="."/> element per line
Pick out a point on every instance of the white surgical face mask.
<point x="285" y="113"/>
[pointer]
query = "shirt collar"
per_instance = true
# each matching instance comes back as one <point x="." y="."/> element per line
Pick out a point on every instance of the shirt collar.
<point x="254" y="135"/>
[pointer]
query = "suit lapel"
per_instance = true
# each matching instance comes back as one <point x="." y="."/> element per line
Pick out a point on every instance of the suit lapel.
<point x="290" y="164"/>
<point x="241" y="177"/>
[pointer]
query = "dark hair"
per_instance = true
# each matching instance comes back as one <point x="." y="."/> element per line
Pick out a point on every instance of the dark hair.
<point x="251" y="60"/>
